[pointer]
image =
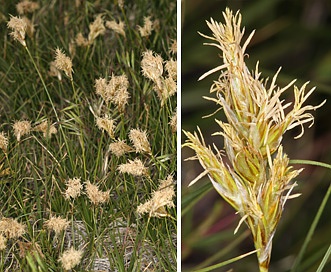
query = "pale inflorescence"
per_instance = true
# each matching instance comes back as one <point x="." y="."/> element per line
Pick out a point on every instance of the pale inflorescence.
<point x="119" y="148"/>
<point x="10" y="228"/>
<point x="139" y="140"/>
<point x="114" y="91"/>
<point x="95" y="195"/>
<point x="63" y="63"/>
<point x="258" y="180"/>
<point x="152" y="68"/>
<point x="135" y="168"/>
<point x="161" y="199"/>
<point x="3" y="241"/>
<point x="26" y="6"/>
<point x="96" y="28"/>
<point x="21" y="128"/>
<point x="147" y="28"/>
<point x="117" y="27"/>
<point x="107" y="124"/>
<point x="70" y="258"/>
<point x="3" y="141"/>
<point x="173" y="122"/>
<point x="56" y="224"/>
<point x="81" y="40"/>
<point x="74" y="188"/>
<point x="18" y="26"/>
<point x="46" y="128"/>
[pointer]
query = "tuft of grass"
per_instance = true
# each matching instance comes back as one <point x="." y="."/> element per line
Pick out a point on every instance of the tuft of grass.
<point x="34" y="171"/>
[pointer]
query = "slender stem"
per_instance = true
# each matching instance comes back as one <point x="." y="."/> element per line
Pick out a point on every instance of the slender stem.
<point x="43" y="82"/>
<point x="311" y="230"/>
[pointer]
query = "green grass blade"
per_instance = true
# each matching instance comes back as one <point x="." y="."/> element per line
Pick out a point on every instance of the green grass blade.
<point x="219" y="265"/>
<point x="311" y="230"/>
<point x="324" y="260"/>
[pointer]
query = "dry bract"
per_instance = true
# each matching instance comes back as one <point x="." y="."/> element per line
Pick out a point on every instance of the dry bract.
<point x="21" y="128"/>
<point x="70" y="258"/>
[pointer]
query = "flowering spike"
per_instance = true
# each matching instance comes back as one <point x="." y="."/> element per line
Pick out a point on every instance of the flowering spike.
<point x="257" y="183"/>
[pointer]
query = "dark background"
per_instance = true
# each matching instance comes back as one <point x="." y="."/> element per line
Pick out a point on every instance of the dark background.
<point x="295" y="35"/>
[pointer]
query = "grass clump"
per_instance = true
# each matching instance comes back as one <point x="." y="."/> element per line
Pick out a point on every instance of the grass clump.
<point x="87" y="137"/>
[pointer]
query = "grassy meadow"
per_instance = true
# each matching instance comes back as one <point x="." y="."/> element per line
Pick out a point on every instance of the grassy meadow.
<point x="88" y="135"/>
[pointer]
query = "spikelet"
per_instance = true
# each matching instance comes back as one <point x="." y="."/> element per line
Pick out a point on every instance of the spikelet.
<point x="258" y="180"/>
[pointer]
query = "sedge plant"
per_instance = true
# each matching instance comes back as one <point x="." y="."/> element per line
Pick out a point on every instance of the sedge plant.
<point x="87" y="138"/>
<point x="252" y="173"/>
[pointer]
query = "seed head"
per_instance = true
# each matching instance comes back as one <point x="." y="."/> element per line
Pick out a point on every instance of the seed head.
<point x="161" y="198"/>
<point x="152" y="66"/>
<point x="173" y="47"/>
<point x="26" y="6"/>
<point x="74" y="188"/>
<point x="95" y="195"/>
<point x="139" y="140"/>
<point x="119" y="148"/>
<point x="19" y="26"/>
<point x="135" y="168"/>
<point x="63" y="63"/>
<point x="171" y="68"/>
<point x="106" y="124"/>
<point x="3" y="142"/>
<point x="21" y="128"/>
<point x="10" y="228"/>
<point x="173" y="122"/>
<point x="81" y="40"/>
<point x="146" y="30"/>
<point x="117" y="27"/>
<point x="96" y="28"/>
<point x="257" y="181"/>
<point x="46" y="128"/>
<point x="57" y="224"/>
<point x="70" y="258"/>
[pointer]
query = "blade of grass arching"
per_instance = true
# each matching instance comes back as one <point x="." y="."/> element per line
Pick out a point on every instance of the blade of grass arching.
<point x="189" y="200"/>
<point x="219" y="265"/>
<point x="311" y="163"/>
<point x="224" y="251"/>
<point x="311" y="230"/>
<point x="324" y="260"/>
